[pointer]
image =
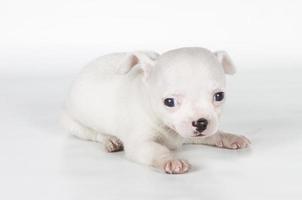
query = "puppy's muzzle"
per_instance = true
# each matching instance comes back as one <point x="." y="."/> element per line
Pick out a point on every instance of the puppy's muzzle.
<point x="200" y="125"/>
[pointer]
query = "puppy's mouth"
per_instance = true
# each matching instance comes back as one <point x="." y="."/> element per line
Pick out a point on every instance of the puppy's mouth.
<point x="198" y="134"/>
<point x="190" y="133"/>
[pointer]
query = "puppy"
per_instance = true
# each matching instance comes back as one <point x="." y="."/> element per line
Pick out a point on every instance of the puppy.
<point x="150" y="104"/>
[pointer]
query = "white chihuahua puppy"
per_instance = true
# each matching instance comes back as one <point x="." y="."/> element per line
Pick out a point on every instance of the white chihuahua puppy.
<point x="150" y="104"/>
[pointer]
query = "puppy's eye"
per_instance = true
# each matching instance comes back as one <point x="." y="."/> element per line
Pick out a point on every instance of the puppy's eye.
<point x="219" y="96"/>
<point x="170" y="102"/>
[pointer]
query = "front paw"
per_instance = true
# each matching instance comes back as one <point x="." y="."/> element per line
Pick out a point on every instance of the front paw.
<point x="113" y="144"/>
<point x="230" y="141"/>
<point x="176" y="166"/>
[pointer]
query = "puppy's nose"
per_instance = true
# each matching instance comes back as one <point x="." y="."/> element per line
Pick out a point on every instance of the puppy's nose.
<point x="201" y="124"/>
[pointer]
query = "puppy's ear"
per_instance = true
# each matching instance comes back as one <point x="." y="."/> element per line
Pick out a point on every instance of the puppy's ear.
<point x="144" y="60"/>
<point x="225" y="60"/>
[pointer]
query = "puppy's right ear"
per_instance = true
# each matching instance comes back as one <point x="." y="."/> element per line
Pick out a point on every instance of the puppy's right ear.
<point x="225" y="60"/>
<point x="144" y="60"/>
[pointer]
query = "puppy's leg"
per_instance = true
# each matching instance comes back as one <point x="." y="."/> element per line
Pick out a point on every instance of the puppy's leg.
<point x="156" y="155"/>
<point x="111" y="143"/>
<point x="223" y="140"/>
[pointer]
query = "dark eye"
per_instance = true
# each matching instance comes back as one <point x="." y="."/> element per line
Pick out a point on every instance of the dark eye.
<point x="219" y="96"/>
<point x="169" y="102"/>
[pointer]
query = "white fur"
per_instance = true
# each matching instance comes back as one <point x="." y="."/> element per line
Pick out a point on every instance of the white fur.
<point x="120" y="97"/>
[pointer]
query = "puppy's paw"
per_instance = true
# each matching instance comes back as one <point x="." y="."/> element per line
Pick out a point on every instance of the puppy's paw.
<point x="231" y="141"/>
<point x="176" y="166"/>
<point x="113" y="144"/>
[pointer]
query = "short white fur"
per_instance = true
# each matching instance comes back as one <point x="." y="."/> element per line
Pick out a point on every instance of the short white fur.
<point x="118" y="100"/>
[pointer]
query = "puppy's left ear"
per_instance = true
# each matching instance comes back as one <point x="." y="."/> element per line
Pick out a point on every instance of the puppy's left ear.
<point x="143" y="59"/>
<point x="225" y="60"/>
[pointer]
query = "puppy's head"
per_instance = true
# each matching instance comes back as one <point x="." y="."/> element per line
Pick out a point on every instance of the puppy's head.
<point x="187" y="89"/>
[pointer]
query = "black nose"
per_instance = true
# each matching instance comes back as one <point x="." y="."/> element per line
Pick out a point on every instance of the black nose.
<point x="201" y="124"/>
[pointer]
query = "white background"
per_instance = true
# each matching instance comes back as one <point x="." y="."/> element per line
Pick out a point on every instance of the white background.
<point x="43" y="45"/>
<point x="58" y="33"/>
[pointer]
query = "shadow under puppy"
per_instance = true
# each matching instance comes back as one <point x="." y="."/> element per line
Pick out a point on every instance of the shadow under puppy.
<point x="150" y="104"/>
